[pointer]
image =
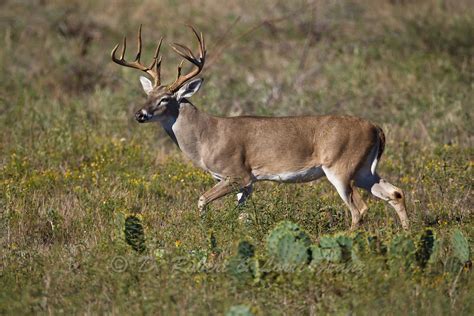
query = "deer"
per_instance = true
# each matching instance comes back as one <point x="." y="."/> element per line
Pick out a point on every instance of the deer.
<point x="242" y="150"/>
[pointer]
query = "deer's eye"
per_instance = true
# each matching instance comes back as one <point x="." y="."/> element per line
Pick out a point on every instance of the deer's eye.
<point x="165" y="100"/>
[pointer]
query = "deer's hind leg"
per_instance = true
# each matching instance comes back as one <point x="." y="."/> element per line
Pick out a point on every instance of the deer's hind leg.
<point x="347" y="192"/>
<point x="359" y="201"/>
<point x="395" y="197"/>
<point x="384" y="190"/>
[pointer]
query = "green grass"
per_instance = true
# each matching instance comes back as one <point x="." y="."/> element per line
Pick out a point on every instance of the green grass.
<point x="74" y="164"/>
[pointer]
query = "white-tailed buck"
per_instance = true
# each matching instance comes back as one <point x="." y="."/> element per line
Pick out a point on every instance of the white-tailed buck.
<point x="239" y="151"/>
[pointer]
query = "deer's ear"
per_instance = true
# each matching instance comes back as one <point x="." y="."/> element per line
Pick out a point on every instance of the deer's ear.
<point x="146" y="84"/>
<point x="189" y="89"/>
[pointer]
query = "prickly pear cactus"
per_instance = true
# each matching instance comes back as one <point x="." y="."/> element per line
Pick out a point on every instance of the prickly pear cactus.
<point x="425" y="249"/>
<point x="244" y="266"/>
<point x="456" y="252"/>
<point x="239" y="310"/>
<point x="345" y="243"/>
<point x="360" y="247"/>
<point x="401" y="252"/>
<point x="134" y="233"/>
<point x="319" y="254"/>
<point x="460" y="246"/>
<point x="288" y="246"/>
<point x="450" y="252"/>
<point x="246" y="249"/>
<point x="438" y="252"/>
<point x="332" y="249"/>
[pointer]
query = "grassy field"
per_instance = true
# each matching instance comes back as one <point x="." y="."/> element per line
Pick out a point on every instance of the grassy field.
<point x="98" y="214"/>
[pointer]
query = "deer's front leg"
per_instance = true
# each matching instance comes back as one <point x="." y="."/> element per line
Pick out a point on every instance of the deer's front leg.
<point x="222" y="188"/>
<point x="244" y="194"/>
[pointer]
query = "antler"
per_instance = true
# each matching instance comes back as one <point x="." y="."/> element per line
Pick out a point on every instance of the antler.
<point x="153" y="70"/>
<point x="187" y="54"/>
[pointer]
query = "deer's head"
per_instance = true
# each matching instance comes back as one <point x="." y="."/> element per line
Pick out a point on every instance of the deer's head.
<point x="164" y="100"/>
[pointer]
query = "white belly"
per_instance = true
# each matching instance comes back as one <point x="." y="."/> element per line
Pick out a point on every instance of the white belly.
<point x="304" y="175"/>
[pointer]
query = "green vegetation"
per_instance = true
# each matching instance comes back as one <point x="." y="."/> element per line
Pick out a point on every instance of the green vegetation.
<point x="99" y="214"/>
<point x="288" y="246"/>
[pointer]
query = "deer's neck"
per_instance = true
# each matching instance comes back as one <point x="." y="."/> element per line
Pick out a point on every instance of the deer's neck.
<point x="186" y="127"/>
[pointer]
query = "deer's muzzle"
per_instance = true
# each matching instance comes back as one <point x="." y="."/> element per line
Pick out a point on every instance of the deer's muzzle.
<point x="142" y="116"/>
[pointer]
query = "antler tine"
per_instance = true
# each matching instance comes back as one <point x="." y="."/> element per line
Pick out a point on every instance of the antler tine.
<point x="200" y="38"/>
<point x="153" y="70"/>
<point x="187" y="54"/>
<point x="124" y="47"/>
<point x="180" y="66"/>
<point x="139" y="44"/>
<point x="157" y="51"/>
<point x="202" y="47"/>
<point x="155" y="65"/>
<point x="119" y="60"/>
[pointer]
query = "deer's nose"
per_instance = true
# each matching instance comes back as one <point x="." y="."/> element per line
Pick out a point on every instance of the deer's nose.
<point x="141" y="116"/>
